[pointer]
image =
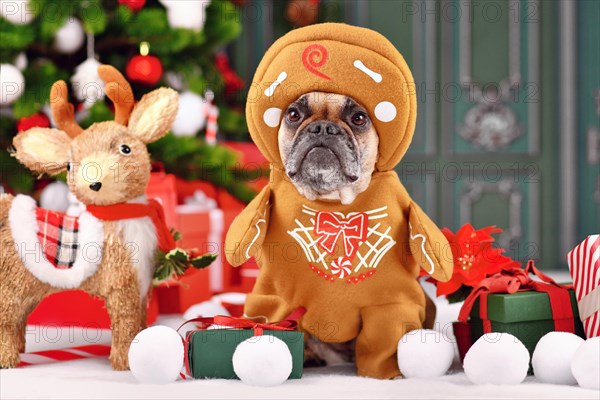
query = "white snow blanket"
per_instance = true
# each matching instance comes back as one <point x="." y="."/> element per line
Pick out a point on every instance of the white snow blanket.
<point x="94" y="379"/>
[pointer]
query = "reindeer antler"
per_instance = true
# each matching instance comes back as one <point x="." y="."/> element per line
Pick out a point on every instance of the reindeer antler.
<point x="119" y="91"/>
<point x="62" y="111"/>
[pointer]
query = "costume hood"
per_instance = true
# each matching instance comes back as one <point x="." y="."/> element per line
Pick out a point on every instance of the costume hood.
<point x="335" y="58"/>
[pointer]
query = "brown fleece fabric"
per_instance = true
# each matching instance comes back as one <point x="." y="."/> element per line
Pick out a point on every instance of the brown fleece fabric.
<point x="354" y="267"/>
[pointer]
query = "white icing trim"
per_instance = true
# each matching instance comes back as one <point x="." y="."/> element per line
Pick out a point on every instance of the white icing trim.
<point x="413" y="237"/>
<point x="24" y="228"/>
<point x="271" y="89"/>
<point x="372" y="74"/>
<point x="257" y="231"/>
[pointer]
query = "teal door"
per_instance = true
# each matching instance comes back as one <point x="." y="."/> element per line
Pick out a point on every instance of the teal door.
<point x="485" y="149"/>
<point x="588" y="108"/>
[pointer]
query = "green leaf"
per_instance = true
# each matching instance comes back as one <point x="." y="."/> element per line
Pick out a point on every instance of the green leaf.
<point x="203" y="261"/>
<point x="14" y="38"/>
<point x="460" y="295"/>
<point x="97" y="113"/>
<point x="38" y="81"/>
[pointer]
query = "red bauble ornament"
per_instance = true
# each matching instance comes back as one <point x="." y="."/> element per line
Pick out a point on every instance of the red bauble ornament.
<point x="36" y="120"/>
<point x="133" y="5"/>
<point x="233" y="82"/>
<point x="144" y="69"/>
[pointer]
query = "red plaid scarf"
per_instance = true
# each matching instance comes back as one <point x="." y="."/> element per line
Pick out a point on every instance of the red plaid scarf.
<point x="57" y="234"/>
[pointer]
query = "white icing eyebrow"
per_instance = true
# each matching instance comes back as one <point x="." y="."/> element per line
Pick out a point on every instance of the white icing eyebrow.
<point x="271" y="89"/>
<point x="374" y="75"/>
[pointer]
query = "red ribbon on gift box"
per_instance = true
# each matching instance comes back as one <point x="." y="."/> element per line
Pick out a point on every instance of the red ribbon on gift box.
<point x="511" y="280"/>
<point x="290" y="323"/>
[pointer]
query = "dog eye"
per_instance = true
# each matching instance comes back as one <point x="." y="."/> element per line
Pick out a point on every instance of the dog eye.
<point x="292" y="115"/>
<point x="359" y="119"/>
<point x="125" y="150"/>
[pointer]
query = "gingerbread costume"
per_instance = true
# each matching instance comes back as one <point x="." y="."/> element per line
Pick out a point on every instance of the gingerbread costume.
<point x="355" y="266"/>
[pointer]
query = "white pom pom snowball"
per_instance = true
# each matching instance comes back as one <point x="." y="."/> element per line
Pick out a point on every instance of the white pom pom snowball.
<point x="552" y="357"/>
<point x="12" y="84"/>
<point x="497" y="358"/>
<point x="425" y="353"/>
<point x="156" y="355"/>
<point x="262" y="361"/>
<point x="585" y="365"/>
<point x="205" y="309"/>
<point x="191" y="115"/>
<point x="69" y="38"/>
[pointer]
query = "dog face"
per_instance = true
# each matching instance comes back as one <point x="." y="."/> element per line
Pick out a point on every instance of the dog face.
<point x="328" y="146"/>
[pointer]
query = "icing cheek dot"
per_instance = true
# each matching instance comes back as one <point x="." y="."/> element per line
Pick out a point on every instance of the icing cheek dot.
<point x="272" y="117"/>
<point x="385" y="111"/>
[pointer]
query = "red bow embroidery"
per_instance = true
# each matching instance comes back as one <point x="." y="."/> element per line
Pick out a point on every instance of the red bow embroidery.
<point x="329" y="227"/>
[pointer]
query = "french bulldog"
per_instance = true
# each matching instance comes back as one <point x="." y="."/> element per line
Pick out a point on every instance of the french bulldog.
<point x="328" y="146"/>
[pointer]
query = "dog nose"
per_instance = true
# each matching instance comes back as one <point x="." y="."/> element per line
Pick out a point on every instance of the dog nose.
<point x="96" y="186"/>
<point x="324" y="127"/>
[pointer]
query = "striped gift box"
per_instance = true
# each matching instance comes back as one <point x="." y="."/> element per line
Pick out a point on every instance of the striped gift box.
<point x="584" y="265"/>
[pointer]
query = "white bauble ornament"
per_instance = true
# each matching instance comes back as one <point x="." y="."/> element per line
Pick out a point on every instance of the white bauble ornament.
<point x="191" y="116"/>
<point x="497" y="358"/>
<point x="156" y="355"/>
<point x="585" y="365"/>
<point x="21" y="61"/>
<point x="12" y="84"/>
<point x="204" y="309"/>
<point x="552" y="357"/>
<point x="425" y="353"/>
<point x="262" y="361"/>
<point x="18" y="12"/>
<point x="69" y="38"/>
<point x="87" y="85"/>
<point x="55" y="196"/>
<point x="186" y="14"/>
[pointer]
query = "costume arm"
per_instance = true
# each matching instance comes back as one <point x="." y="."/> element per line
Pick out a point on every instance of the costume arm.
<point x="247" y="232"/>
<point x="428" y="245"/>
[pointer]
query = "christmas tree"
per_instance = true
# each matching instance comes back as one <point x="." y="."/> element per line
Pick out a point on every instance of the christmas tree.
<point x="174" y="43"/>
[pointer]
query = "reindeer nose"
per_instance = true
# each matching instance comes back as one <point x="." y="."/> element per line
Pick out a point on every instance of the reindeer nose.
<point x="96" y="186"/>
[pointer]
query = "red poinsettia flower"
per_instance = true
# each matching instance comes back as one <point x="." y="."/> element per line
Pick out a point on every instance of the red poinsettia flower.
<point x="474" y="257"/>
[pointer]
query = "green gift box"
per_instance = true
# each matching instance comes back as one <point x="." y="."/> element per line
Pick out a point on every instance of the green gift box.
<point x="210" y="352"/>
<point x="527" y="315"/>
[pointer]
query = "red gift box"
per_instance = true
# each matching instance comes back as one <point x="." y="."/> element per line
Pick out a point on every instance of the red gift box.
<point x="584" y="266"/>
<point x="163" y="188"/>
<point x="203" y="230"/>
<point x="77" y="308"/>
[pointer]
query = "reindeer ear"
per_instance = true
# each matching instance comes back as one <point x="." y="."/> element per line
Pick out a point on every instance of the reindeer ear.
<point x="153" y="116"/>
<point x="43" y="150"/>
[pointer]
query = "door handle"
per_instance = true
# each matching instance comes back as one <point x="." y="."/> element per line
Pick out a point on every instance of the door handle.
<point x="593" y="145"/>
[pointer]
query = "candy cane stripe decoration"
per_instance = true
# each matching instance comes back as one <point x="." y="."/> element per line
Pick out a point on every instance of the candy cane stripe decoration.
<point x="584" y="266"/>
<point x="70" y="354"/>
<point x="211" y="120"/>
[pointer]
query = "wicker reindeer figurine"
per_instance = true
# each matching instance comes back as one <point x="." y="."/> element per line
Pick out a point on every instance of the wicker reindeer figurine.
<point x="109" y="250"/>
